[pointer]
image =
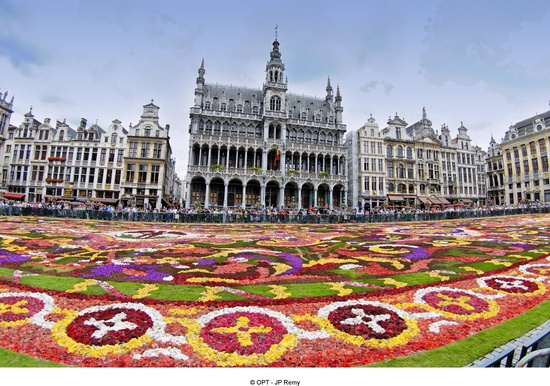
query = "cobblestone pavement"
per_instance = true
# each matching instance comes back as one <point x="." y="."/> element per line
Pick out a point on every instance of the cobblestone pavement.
<point x="518" y="343"/>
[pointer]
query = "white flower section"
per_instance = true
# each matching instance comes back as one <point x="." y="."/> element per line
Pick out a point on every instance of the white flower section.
<point x="435" y="327"/>
<point x="156" y="331"/>
<point x="326" y="310"/>
<point x="349" y="267"/>
<point x="171" y="352"/>
<point x="38" y="318"/>
<point x="516" y="283"/>
<point x="168" y="278"/>
<point x="524" y="268"/>
<point x="146" y="250"/>
<point x="419" y="295"/>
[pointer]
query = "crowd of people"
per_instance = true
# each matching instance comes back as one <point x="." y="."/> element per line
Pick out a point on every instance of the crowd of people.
<point x="97" y="210"/>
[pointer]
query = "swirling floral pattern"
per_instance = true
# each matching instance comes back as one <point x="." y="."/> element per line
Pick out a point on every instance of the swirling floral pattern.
<point x="98" y="294"/>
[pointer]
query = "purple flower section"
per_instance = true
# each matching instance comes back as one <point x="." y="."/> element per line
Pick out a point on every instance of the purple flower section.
<point x="522" y="245"/>
<point x="294" y="261"/>
<point x="109" y="269"/>
<point x="7" y="257"/>
<point x="206" y="262"/>
<point x="418" y="253"/>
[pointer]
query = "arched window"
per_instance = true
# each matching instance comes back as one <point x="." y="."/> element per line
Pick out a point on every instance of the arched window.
<point x="61" y="135"/>
<point x="391" y="188"/>
<point x="409" y="153"/>
<point x="275" y="103"/>
<point x="372" y="132"/>
<point x="389" y="151"/>
<point x="400" y="151"/>
<point x="113" y="138"/>
<point x="400" y="173"/>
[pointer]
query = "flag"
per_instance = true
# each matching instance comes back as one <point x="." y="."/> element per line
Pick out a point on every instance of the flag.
<point x="277" y="157"/>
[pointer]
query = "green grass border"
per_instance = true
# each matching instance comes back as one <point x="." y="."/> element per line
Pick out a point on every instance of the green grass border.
<point x="457" y="354"/>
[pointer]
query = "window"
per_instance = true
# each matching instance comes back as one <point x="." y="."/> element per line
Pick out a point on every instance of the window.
<point x="91" y="176"/>
<point x="390" y="169"/>
<point x="147" y="132"/>
<point x="155" y="172"/>
<point x="145" y="150"/>
<point x="542" y="145"/>
<point x="157" y="149"/>
<point x="223" y="107"/>
<point x="207" y="105"/>
<point x="275" y="103"/>
<point x="365" y="164"/>
<point x="400" y="151"/>
<point x="239" y="108"/>
<point x="113" y="138"/>
<point x="130" y="170"/>
<point x="142" y="175"/>
<point x="133" y="149"/>
<point x="103" y="155"/>
<point x="120" y="156"/>
<point x="389" y="151"/>
<point x="398" y="133"/>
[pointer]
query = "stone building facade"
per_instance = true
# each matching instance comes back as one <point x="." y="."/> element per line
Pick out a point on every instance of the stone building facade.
<point x="413" y="165"/>
<point x="265" y="147"/>
<point x="525" y="159"/>
<point x="114" y="166"/>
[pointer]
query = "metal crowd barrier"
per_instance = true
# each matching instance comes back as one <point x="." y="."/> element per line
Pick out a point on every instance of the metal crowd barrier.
<point x="260" y="217"/>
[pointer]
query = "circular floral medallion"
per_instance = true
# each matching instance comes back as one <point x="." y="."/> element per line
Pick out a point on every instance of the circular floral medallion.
<point x="536" y="269"/>
<point x="18" y="308"/>
<point x="242" y="336"/>
<point x="369" y="323"/>
<point x="457" y="303"/>
<point x="512" y="285"/>
<point x="101" y="330"/>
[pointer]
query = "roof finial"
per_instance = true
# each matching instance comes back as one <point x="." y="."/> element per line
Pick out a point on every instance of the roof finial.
<point x="276" y="26"/>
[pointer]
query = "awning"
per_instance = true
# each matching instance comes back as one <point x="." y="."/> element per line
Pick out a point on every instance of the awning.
<point x="435" y="200"/>
<point x="14" y="196"/>
<point x="466" y="200"/>
<point x="105" y="200"/>
<point x="444" y="201"/>
<point x="394" y="197"/>
<point x="67" y="198"/>
<point x="424" y="199"/>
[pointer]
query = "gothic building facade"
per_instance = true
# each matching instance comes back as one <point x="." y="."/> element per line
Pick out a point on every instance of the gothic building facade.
<point x="265" y="147"/>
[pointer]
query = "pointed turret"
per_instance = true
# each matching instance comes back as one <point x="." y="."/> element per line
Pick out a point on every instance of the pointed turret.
<point x="274" y="70"/>
<point x="339" y="109"/>
<point x="329" y="96"/>
<point x="199" y="90"/>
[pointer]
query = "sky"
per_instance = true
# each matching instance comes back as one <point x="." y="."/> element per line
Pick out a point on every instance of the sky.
<point x="480" y="62"/>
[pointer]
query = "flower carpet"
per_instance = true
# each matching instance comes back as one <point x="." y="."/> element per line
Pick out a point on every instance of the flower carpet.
<point x="127" y="294"/>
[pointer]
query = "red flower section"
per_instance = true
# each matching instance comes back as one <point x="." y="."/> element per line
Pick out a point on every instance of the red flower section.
<point x="112" y="326"/>
<point x="456" y="302"/>
<point x="15" y="308"/>
<point x="368" y="321"/>
<point x="244" y="333"/>
<point x="512" y="285"/>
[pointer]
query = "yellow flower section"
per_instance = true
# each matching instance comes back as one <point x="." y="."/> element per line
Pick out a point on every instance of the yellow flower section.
<point x="16" y="309"/>
<point x="340" y="288"/>
<point x="59" y="334"/>
<point x="492" y="311"/>
<point x="225" y="359"/>
<point x="279" y="291"/>
<point x="145" y="291"/>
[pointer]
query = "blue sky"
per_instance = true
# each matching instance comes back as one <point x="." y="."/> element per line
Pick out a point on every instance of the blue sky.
<point x="481" y="62"/>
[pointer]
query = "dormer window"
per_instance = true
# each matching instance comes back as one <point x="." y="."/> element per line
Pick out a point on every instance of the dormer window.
<point x="303" y="116"/>
<point x="239" y="108"/>
<point x="255" y="110"/>
<point x="223" y="107"/>
<point x="318" y="118"/>
<point x="147" y="132"/>
<point x="61" y="135"/>
<point x="207" y="105"/>
<point x="331" y="119"/>
<point x="137" y="132"/>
